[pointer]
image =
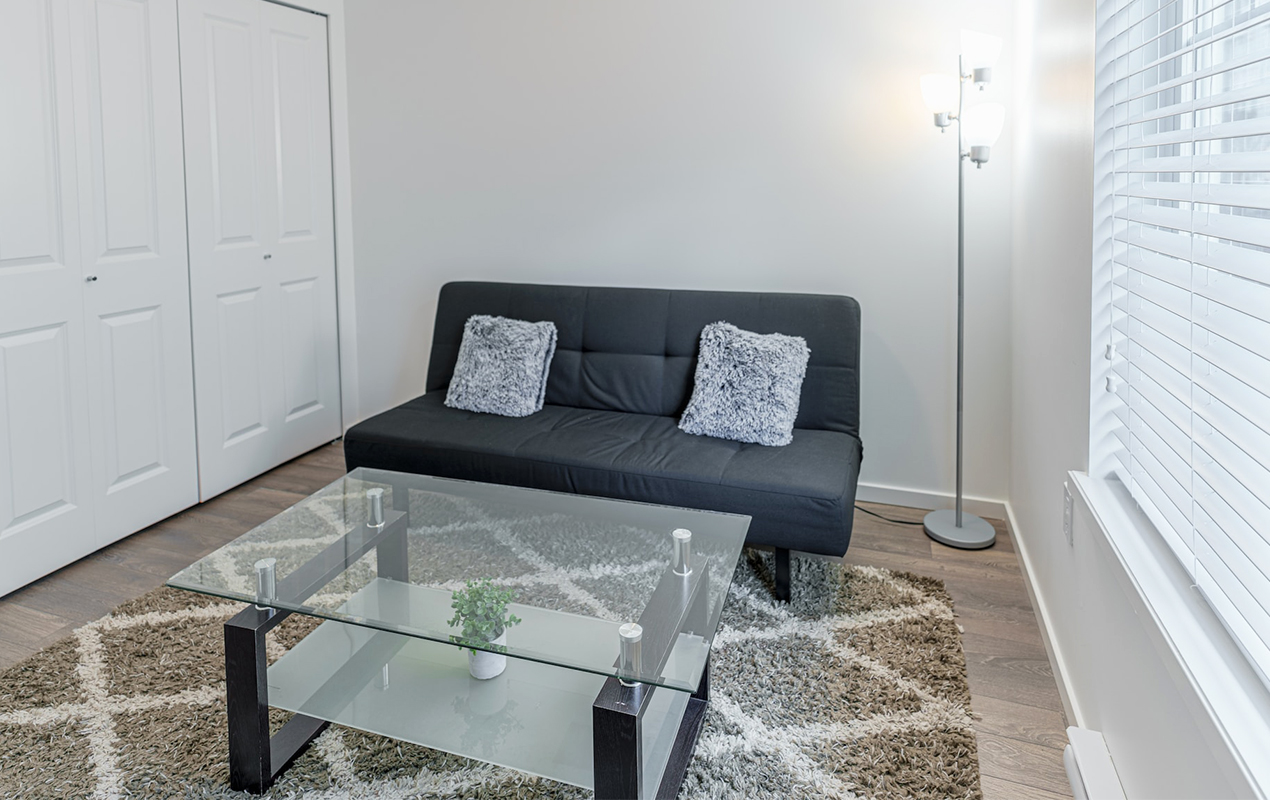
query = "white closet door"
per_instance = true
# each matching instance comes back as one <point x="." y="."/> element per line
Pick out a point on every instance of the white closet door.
<point x="302" y="241"/>
<point x="132" y="235"/>
<point x="45" y="470"/>
<point x="262" y="264"/>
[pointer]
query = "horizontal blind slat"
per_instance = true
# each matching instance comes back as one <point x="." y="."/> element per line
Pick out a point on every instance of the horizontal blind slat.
<point x="1161" y="293"/>
<point x="1217" y="549"/>
<point x="1231" y="194"/>
<point x="1231" y="356"/>
<point x="1147" y="322"/>
<point x="1175" y="410"/>
<point x="1244" y="409"/>
<point x="1172" y="526"/>
<point x="1176" y="383"/>
<point x="1174" y="495"/>
<point x="1247" y="607"/>
<point x="1230" y="489"/>
<point x="1253" y="646"/>
<point x="1239" y="472"/>
<point x="1254" y="549"/>
<point x="1174" y="473"/>
<point x="1222" y="243"/>
<point x="1209" y="502"/>
<point x="1156" y="240"/>
<point x="1170" y="269"/>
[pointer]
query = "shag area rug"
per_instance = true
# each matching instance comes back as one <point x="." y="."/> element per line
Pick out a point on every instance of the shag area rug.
<point x="857" y="688"/>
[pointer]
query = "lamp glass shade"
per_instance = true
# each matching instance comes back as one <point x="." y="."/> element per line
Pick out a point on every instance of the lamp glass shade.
<point x="940" y="93"/>
<point x="979" y="49"/>
<point x="981" y="124"/>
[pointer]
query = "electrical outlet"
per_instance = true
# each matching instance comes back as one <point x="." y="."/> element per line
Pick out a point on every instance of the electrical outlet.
<point x="1067" y="513"/>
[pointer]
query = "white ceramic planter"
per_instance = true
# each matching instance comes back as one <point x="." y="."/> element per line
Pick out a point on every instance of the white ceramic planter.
<point x="485" y="665"/>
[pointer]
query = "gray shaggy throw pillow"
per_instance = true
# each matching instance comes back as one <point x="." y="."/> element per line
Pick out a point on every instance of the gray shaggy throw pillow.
<point x="747" y="385"/>
<point x="502" y="366"/>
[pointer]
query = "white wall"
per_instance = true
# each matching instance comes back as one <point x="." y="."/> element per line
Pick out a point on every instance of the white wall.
<point x="1117" y="673"/>
<point x="716" y="144"/>
<point x="1051" y="276"/>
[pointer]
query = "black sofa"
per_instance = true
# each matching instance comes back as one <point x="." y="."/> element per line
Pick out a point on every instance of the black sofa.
<point x="621" y="377"/>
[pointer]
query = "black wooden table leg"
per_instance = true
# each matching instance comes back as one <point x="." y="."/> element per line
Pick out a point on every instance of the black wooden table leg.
<point x="617" y="731"/>
<point x="616" y="722"/>
<point x="247" y="701"/>
<point x="255" y="759"/>
<point x="680" y="604"/>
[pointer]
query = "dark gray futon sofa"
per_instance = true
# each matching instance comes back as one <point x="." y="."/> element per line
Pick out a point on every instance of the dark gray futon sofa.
<point x="621" y="377"/>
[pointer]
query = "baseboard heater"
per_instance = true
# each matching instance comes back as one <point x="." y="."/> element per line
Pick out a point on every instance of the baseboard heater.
<point x="1090" y="770"/>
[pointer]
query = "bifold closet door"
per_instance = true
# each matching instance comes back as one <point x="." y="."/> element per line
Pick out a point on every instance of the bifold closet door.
<point x="262" y="251"/>
<point x="46" y="517"/>
<point x="96" y="400"/>
<point x="126" y="67"/>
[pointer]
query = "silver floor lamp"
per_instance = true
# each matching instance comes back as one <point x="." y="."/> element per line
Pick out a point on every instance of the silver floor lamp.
<point x="977" y="130"/>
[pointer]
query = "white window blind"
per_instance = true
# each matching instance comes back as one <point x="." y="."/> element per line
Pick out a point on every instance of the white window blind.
<point x="1188" y="118"/>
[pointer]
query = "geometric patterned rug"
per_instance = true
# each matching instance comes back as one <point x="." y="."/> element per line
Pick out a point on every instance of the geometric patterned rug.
<point x="856" y="688"/>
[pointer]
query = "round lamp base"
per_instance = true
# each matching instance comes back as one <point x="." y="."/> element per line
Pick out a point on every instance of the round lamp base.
<point x="974" y="533"/>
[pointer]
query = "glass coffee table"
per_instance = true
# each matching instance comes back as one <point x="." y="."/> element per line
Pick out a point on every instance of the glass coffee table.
<point x="607" y="675"/>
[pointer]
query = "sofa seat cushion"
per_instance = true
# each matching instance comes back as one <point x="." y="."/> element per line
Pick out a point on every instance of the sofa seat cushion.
<point x="799" y="496"/>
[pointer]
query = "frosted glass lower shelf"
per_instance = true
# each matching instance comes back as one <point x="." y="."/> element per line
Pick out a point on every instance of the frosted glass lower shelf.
<point x="534" y="717"/>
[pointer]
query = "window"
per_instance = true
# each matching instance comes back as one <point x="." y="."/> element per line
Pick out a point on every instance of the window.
<point x="1183" y="214"/>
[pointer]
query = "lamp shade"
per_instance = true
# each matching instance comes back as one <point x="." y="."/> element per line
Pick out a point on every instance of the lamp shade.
<point x="940" y="93"/>
<point x="981" y="124"/>
<point x="979" y="50"/>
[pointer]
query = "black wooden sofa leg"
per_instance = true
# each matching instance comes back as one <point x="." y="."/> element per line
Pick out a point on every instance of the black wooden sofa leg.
<point x="782" y="574"/>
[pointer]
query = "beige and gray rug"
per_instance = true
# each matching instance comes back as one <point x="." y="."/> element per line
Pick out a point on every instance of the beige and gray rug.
<point x="855" y="689"/>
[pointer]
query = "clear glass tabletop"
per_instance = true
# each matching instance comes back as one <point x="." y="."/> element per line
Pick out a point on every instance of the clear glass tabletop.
<point x="388" y="550"/>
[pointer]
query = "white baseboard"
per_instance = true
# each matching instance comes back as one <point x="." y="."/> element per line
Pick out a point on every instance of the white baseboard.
<point x="1057" y="664"/>
<point x="931" y="501"/>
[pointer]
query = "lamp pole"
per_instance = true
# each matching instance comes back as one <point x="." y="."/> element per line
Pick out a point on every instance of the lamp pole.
<point x="961" y="270"/>
<point x="954" y="528"/>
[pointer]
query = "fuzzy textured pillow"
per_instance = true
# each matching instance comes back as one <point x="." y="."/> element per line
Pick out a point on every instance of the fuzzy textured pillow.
<point x="502" y="366"/>
<point x="747" y="385"/>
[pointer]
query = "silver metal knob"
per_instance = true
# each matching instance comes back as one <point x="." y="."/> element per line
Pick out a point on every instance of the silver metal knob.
<point x="682" y="563"/>
<point x="266" y="581"/>
<point x="90" y="278"/>
<point x="631" y="635"/>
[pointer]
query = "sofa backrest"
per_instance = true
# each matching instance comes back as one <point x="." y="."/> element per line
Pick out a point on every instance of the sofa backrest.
<point x="636" y="349"/>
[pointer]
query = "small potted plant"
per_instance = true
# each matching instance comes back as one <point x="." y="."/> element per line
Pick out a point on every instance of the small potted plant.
<point x="481" y="609"/>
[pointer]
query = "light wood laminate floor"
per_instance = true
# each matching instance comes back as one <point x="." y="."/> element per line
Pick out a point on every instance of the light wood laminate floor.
<point x="1020" y="727"/>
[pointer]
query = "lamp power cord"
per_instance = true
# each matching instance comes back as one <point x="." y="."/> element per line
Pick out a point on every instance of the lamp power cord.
<point x="885" y="519"/>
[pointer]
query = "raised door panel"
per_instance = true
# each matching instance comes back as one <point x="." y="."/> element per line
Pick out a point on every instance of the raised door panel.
<point x="240" y="330"/>
<point x="132" y="403"/>
<point x="132" y="200"/>
<point x="33" y="224"/>
<point x="231" y="76"/>
<point x="46" y="516"/>
<point x="301" y="348"/>
<point x="119" y="123"/>
<point x="227" y="158"/>
<point x="295" y="124"/>
<point x="304" y="249"/>
<point x="38" y="430"/>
